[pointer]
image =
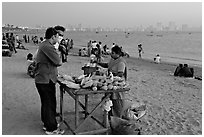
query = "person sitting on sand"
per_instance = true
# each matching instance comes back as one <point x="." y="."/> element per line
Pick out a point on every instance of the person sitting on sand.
<point x="113" y="45"/>
<point x="117" y="65"/>
<point x="187" y="72"/>
<point x="29" y="59"/>
<point x="30" y="65"/>
<point x="157" y="59"/>
<point x="93" y="58"/>
<point x="184" y="71"/>
<point x="41" y="40"/>
<point x="178" y="70"/>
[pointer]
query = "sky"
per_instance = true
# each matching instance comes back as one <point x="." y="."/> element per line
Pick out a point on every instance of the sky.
<point x="103" y="14"/>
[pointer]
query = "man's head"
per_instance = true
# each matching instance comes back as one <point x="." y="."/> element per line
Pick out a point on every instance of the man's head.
<point x="60" y="30"/>
<point x="52" y="35"/>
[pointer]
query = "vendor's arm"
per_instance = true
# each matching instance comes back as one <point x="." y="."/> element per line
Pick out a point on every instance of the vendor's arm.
<point x="104" y="65"/>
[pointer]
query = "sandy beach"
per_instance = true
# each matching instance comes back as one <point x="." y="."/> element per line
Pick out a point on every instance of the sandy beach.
<point x="174" y="104"/>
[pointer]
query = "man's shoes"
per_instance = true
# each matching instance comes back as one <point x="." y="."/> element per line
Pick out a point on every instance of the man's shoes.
<point x="44" y="128"/>
<point x="55" y="132"/>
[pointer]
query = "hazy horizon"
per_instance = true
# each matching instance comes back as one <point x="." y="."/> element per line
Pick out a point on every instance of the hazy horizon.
<point x="103" y="14"/>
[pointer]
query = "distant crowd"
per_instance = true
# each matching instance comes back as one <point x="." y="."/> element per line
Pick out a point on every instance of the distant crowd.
<point x="9" y="38"/>
<point x="98" y="50"/>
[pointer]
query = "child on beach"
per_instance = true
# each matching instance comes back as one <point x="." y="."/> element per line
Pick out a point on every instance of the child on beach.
<point x="30" y="65"/>
<point x="29" y="59"/>
<point x="157" y="59"/>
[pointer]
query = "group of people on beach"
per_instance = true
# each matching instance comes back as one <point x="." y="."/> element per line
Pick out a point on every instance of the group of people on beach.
<point x="184" y="71"/>
<point x="99" y="50"/>
<point x="95" y="48"/>
<point x="64" y="46"/>
<point x="10" y="39"/>
<point x="47" y="60"/>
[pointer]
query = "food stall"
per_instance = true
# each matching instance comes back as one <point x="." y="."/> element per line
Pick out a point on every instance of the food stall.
<point x="90" y="83"/>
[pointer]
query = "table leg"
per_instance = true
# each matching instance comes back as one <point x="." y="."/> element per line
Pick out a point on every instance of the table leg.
<point x="76" y="111"/>
<point x="91" y="114"/>
<point x="106" y="121"/>
<point x="86" y="105"/>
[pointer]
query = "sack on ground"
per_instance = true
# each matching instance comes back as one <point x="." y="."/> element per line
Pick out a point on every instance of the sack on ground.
<point x="135" y="111"/>
<point x="121" y="126"/>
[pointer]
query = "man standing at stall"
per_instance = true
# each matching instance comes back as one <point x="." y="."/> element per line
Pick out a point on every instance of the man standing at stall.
<point x="47" y="61"/>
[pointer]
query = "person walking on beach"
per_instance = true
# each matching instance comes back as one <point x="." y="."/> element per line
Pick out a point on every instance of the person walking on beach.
<point x="3" y="36"/>
<point x="140" y="50"/>
<point x="25" y="38"/>
<point x="47" y="61"/>
<point x="28" y="39"/>
<point x="12" y="41"/>
<point x="113" y="45"/>
<point x="98" y="53"/>
<point x="71" y="43"/>
<point x="89" y="48"/>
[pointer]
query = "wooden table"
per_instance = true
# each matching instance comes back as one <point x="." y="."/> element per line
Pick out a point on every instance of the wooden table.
<point x="75" y="94"/>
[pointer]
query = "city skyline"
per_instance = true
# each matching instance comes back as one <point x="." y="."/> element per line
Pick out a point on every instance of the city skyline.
<point x="172" y="26"/>
<point x="102" y="14"/>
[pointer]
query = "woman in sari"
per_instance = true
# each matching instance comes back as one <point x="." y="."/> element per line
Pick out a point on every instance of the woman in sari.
<point x="117" y="65"/>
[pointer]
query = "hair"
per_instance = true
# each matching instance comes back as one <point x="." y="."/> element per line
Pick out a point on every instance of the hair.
<point x="97" y="45"/>
<point x="50" y="32"/>
<point x="41" y="38"/>
<point x="63" y="40"/>
<point x="7" y="35"/>
<point x="185" y="65"/>
<point x="180" y="65"/>
<point x="117" y="50"/>
<point x="29" y="56"/>
<point x="59" y="28"/>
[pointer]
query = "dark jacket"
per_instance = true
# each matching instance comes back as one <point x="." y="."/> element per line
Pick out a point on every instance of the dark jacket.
<point x="187" y="72"/>
<point x="47" y="61"/>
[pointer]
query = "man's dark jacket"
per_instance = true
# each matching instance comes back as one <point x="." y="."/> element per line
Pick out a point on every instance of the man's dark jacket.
<point x="47" y="61"/>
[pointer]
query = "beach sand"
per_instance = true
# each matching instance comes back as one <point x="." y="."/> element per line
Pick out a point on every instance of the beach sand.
<point x="174" y="104"/>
